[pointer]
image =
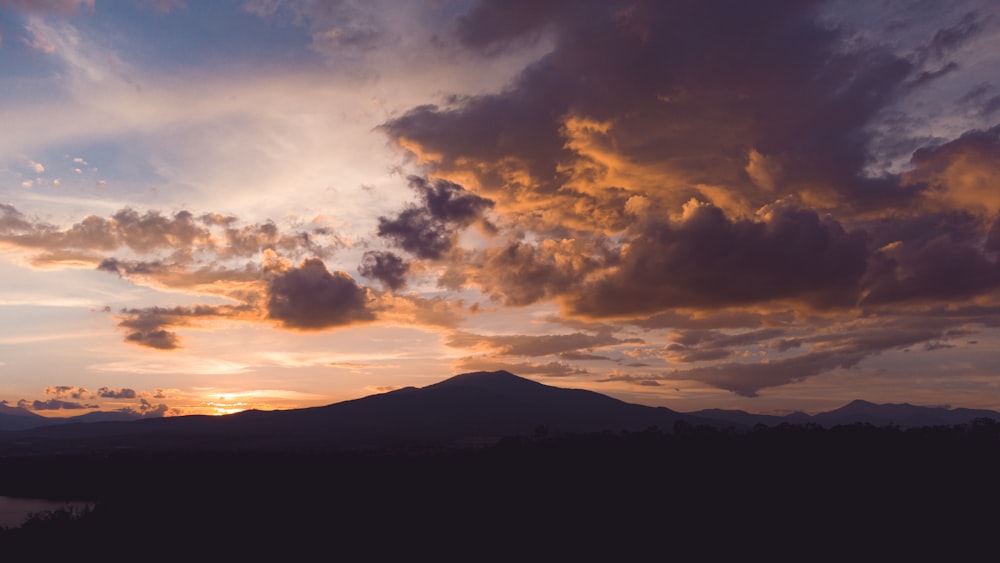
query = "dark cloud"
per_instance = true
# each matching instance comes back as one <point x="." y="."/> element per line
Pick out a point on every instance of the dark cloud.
<point x="491" y="26"/>
<point x="449" y="202"/>
<point x="748" y="378"/>
<point x="54" y="405"/>
<point x="837" y="344"/>
<point x="758" y="120"/>
<point x="715" y="338"/>
<point x="535" y="345"/>
<point x="428" y="230"/>
<point x="159" y="339"/>
<point x="685" y="354"/>
<point x="940" y="269"/>
<point x="931" y="75"/>
<point x="145" y="409"/>
<point x="948" y="39"/>
<point x="385" y="267"/>
<point x="60" y="391"/>
<point x="577" y="356"/>
<point x="124" y="393"/>
<point x="150" y="326"/>
<point x="643" y="381"/>
<point x="708" y="260"/>
<point x="128" y="268"/>
<point x="990" y="106"/>
<point x="701" y="345"/>
<point x="706" y="319"/>
<point x="310" y="297"/>
<point x="688" y="91"/>
<point x="960" y="174"/>
<point x="415" y="231"/>
<point x="521" y="273"/>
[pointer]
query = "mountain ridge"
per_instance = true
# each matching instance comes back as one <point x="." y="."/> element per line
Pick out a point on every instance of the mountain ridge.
<point x="468" y="408"/>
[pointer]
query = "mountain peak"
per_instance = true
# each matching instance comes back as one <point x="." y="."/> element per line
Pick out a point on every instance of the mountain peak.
<point x="502" y="382"/>
<point x="481" y="377"/>
<point x="858" y="404"/>
<point x="18" y="411"/>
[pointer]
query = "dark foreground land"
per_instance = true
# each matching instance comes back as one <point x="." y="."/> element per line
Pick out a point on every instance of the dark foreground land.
<point x="695" y="494"/>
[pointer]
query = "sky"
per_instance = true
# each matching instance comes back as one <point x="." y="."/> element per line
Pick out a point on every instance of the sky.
<point x="773" y="206"/>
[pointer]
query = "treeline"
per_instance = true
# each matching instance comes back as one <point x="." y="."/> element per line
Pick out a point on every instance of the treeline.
<point x="785" y="491"/>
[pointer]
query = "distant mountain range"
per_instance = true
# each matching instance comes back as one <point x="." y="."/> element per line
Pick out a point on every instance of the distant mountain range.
<point x="17" y="418"/>
<point x="471" y="408"/>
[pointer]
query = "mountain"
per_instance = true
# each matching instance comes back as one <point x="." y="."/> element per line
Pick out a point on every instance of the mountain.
<point x="16" y="418"/>
<point x="471" y="408"/>
<point x="903" y="415"/>
<point x="478" y="407"/>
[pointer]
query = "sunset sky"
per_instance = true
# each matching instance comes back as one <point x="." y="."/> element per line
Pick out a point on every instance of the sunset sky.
<point x="769" y="206"/>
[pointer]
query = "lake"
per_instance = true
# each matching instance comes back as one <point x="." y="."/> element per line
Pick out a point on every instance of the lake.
<point x="14" y="511"/>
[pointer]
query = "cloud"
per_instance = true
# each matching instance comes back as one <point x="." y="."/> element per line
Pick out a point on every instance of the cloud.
<point x="791" y="255"/>
<point x="674" y="179"/>
<point x="124" y="393"/>
<point x="577" y="356"/>
<point x="310" y="297"/>
<point x="960" y="174"/>
<point x="700" y="345"/>
<point x="200" y="254"/>
<point x="948" y="39"/>
<point x="940" y="269"/>
<point x="428" y="230"/>
<point x="827" y="345"/>
<point x="182" y="238"/>
<point x="385" y="267"/>
<point x="150" y="326"/>
<point x="146" y="409"/>
<point x="60" y="391"/>
<point x="667" y="125"/>
<point x="535" y="345"/>
<point x="691" y="183"/>
<point x="521" y="273"/>
<point x="54" y="405"/>
<point x="748" y="378"/>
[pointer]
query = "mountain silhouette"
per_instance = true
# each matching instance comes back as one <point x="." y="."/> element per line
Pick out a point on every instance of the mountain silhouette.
<point x="471" y="408"/>
<point x="19" y="418"/>
<point x="903" y="415"/>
